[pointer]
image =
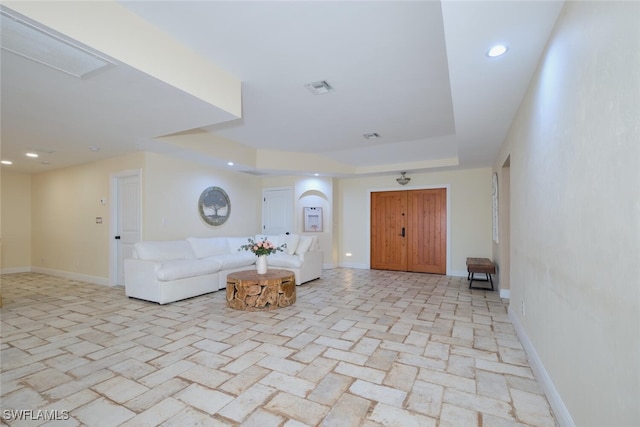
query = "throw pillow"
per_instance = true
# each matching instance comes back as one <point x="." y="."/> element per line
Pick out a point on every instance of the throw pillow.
<point x="304" y="244"/>
<point x="291" y="240"/>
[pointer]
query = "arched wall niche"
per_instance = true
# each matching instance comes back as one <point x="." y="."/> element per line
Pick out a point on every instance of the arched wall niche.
<point x="316" y="199"/>
<point x="310" y="193"/>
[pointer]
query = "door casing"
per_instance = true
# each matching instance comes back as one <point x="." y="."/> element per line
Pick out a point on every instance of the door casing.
<point x="428" y="187"/>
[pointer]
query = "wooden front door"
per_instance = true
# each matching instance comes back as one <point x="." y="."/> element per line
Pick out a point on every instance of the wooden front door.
<point x="388" y="220"/>
<point x="409" y="230"/>
<point x="427" y="240"/>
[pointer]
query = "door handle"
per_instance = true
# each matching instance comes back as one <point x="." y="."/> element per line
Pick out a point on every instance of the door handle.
<point x="117" y="237"/>
<point x="402" y="234"/>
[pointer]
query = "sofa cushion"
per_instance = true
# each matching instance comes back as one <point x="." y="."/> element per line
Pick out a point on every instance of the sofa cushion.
<point x="304" y="244"/>
<point x="181" y="268"/>
<point x="235" y="260"/>
<point x="291" y="240"/>
<point x="164" y="250"/>
<point x="282" y="259"/>
<point x="234" y="243"/>
<point x="204" y="247"/>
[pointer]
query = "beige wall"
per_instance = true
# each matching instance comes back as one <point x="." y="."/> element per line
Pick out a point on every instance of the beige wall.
<point x="66" y="202"/>
<point x="64" y="207"/>
<point x="470" y="213"/>
<point x="16" y="222"/>
<point x="172" y="188"/>
<point x="575" y="214"/>
<point x="49" y="219"/>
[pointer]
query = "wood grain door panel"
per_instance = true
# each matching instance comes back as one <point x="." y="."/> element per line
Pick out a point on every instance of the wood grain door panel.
<point x="427" y="224"/>
<point x="388" y="218"/>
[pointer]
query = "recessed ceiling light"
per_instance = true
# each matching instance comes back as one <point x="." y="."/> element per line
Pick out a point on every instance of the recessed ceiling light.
<point x="372" y="135"/>
<point x="316" y="174"/>
<point x="497" y="50"/>
<point x="6" y="162"/>
<point x="32" y="155"/>
<point x="230" y="163"/>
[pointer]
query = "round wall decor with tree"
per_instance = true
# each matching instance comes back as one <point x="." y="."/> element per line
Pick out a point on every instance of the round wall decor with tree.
<point x="214" y="206"/>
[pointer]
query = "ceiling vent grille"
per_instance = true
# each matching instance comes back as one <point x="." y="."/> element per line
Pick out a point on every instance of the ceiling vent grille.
<point x="319" y="88"/>
<point x="37" y="44"/>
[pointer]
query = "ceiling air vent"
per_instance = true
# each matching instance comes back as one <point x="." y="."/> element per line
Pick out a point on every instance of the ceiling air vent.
<point x="319" y="88"/>
<point x="30" y="41"/>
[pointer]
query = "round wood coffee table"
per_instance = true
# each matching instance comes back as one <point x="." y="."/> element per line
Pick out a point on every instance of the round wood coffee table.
<point x="247" y="290"/>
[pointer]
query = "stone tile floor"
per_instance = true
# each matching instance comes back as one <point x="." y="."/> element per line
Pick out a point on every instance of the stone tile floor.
<point x="358" y="348"/>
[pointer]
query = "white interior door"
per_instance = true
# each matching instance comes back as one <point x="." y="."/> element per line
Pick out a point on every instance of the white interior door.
<point x="277" y="210"/>
<point x="127" y="220"/>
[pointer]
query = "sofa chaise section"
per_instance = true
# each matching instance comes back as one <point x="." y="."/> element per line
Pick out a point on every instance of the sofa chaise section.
<point x="167" y="271"/>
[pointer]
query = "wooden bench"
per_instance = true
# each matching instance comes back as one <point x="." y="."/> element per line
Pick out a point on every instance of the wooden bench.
<point x="480" y="265"/>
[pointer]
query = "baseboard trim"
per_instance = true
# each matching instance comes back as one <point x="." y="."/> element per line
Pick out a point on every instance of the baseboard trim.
<point x="73" y="276"/>
<point x="360" y="266"/>
<point x="12" y="270"/>
<point x="364" y="266"/>
<point x="458" y="273"/>
<point x="563" y="417"/>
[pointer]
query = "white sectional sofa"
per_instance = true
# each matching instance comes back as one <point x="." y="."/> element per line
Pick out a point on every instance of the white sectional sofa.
<point x="167" y="271"/>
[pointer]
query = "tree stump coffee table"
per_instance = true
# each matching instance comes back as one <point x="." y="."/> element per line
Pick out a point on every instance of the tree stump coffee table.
<point x="247" y="290"/>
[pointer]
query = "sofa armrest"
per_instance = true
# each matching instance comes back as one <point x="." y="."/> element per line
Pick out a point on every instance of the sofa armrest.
<point x="140" y="278"/>
<point x="311" y="266"/>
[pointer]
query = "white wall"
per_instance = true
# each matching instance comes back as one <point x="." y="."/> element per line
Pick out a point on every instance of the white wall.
<point x="470" y="213"/>
<point x="311" y="192"/>
<point x="575" y="214"/>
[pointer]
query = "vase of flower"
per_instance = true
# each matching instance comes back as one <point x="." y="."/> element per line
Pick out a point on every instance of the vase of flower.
<point x="261" y="264"/>
<point x="262" y="249"/>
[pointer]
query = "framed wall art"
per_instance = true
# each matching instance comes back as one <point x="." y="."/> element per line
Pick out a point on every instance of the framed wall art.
<point x="214" y="206"/>
<point x="312" y="219"/>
